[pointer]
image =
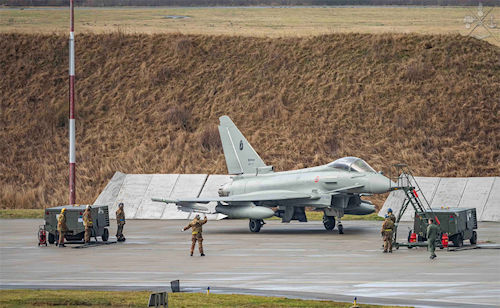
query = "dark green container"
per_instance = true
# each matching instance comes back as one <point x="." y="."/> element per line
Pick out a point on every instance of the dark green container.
<point x="458" y="223"/>
<point x="74" y="221"/>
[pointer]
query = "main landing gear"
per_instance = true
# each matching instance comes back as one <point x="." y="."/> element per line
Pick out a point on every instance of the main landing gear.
<point x="255" y="224"/>
<point x="329" y="223"/>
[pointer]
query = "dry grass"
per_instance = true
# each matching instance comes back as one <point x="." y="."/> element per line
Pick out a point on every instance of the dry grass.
<point x="250" y="21"/>
<point x="150" y="103"/>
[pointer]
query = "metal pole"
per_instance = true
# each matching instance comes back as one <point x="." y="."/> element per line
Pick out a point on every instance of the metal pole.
<point x="72" y="162"/>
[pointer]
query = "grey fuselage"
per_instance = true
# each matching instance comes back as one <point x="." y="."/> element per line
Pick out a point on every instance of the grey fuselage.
<point x="322" y="182"/>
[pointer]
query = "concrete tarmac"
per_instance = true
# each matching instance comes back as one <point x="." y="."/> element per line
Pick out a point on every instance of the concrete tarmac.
<point x="299" y="260"/>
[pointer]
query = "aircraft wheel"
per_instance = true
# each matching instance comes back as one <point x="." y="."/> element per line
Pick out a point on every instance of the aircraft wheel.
<point x="341" y="228"/>
<point x="105" y="235"/>
<point x="473" y="239"/>
<point x="255" y="225"/>
<point x="329" y="222"/>
<point x="52" y="238"/>
<point x="458" y="240"/>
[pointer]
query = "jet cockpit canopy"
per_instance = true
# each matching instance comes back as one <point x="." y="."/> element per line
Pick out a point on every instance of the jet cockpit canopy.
<point x="351" y="164"/>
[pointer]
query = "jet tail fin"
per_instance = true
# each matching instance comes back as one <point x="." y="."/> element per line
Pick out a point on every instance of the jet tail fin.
<point x="239" y="154"/>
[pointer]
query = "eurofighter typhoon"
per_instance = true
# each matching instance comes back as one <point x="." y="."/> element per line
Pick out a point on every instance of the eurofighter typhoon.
<point x="257" y="192"/>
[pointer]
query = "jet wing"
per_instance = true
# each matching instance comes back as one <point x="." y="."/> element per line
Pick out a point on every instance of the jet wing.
<point x="269" y="195"/>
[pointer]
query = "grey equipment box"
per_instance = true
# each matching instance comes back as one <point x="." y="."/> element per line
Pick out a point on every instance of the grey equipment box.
<point x="459" y="223"/>
<point x="74" y="221"/>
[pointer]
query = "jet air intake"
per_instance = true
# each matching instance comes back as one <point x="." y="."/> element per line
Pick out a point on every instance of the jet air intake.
<point x="245" y="211"/>
<point x="359" y="207"/>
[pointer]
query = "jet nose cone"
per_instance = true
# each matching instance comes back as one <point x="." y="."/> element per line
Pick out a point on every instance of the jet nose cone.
<point x="379" y="184"/>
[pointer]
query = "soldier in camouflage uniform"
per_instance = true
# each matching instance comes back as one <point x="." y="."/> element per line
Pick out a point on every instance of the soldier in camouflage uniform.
<point x="387" y="229"/>
<point x="120" y="221"/>
<point x="432" y="234"/>
<point x="196" y="226"/>
<point x="62" y="227"/>
<point x="87" y="223"/>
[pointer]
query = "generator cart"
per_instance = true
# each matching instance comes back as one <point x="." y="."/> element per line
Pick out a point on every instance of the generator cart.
<point x="458" y="223"/>
<point x="74" y="221"/>
<point x="455" y="224"/>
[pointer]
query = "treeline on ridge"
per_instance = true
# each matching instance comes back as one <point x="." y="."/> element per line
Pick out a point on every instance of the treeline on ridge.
<point x="108" y="3"/>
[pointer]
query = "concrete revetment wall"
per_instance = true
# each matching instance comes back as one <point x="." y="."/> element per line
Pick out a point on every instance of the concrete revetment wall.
<point x="136" y="191"/>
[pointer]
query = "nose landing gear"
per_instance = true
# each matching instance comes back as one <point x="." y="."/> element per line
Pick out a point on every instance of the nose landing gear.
<point x="340" y="227"/>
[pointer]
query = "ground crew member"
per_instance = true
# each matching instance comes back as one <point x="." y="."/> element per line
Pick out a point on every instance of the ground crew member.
<point x="391" y="215"/>
<point x="87" y="223"/>
<point x="387" y="229"/>
<point x="196" y="226"/>
<point x="62" y="227"/>
<point x="120" y="221"/>
<point x="432" y="233"/>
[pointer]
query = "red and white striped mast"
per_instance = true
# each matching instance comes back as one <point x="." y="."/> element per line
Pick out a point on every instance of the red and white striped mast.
<point x="72" y="154"/>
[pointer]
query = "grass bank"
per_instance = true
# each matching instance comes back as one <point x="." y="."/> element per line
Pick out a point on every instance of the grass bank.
<point x="151" y="103"/>
<point x="70" y="298"/>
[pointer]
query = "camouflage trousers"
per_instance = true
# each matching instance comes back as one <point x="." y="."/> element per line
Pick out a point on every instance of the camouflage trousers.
<point x="61" y="237"/>
<point x="387" y="241"/>
<point x="88" y="233"/>
<point x="119" y="231"/>
<point x="199" y="238"/>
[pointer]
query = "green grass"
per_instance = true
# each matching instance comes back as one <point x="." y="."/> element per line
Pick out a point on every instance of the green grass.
<point x="21" y="213"/>
<point x="373" y="216"/>
<point x="318" y="216"/>
<point x="70" y="298"/>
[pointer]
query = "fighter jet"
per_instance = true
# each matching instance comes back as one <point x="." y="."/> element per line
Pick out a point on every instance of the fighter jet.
<point x="257" y="192"/>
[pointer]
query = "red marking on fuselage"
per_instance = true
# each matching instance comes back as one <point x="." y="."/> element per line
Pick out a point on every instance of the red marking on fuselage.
<point x="316" y="179"/>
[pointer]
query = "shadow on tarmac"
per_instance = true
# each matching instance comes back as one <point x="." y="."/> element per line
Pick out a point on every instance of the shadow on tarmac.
<point x="292" y="230"/>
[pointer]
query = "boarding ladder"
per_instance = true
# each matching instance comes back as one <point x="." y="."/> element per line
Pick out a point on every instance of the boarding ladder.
<point x="414" y="196"/>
